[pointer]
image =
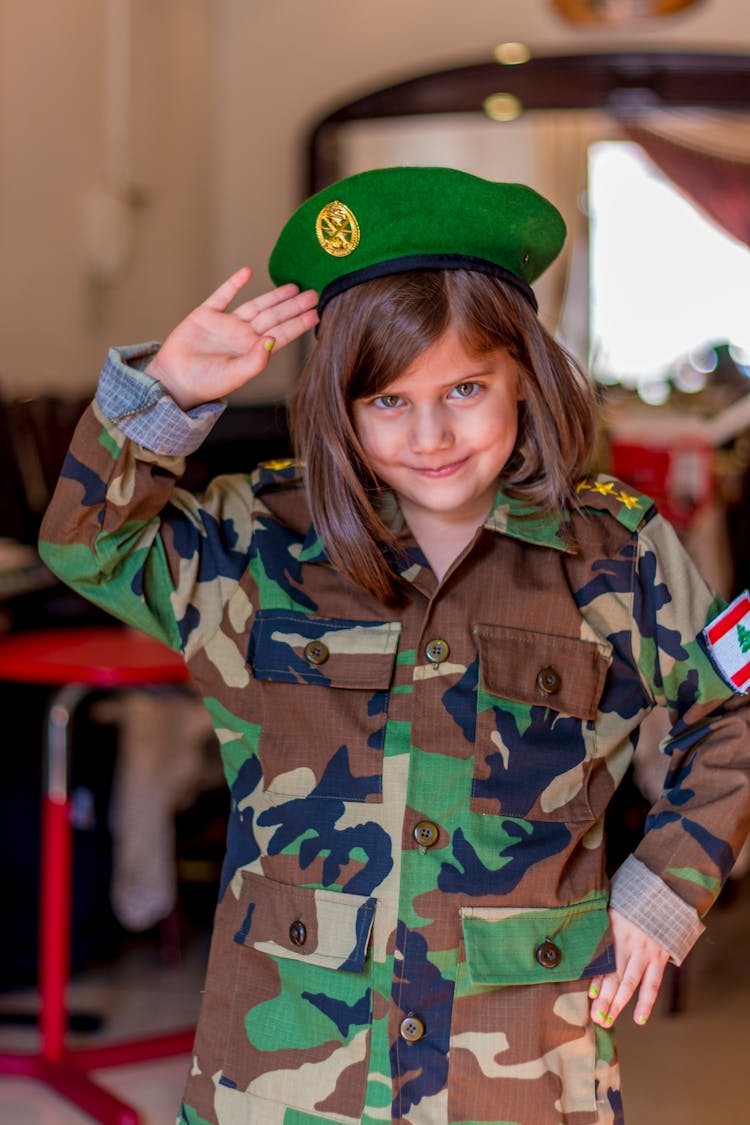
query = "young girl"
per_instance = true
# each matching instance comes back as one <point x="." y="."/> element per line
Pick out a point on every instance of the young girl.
<point x="426" y="647"/>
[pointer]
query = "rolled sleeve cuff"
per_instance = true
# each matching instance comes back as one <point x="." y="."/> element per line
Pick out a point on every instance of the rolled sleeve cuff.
<point x="139" y="406"/>
<point x="646" y="900"/>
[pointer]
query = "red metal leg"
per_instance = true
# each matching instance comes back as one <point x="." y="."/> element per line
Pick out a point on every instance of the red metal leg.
<point x="62" y="1070"/>
<point x="73" y="1084"/>
<point x="56" y="877"/>
<point x="129" y="1051"/>
<point x="54" y="936"/>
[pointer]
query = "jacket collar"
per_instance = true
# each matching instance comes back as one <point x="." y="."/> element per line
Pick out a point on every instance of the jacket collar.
<point x="519" y="520"/>
<point x="508" y="516"/>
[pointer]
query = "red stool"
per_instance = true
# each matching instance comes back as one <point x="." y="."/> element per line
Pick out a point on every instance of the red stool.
<point x="77" y="661"/>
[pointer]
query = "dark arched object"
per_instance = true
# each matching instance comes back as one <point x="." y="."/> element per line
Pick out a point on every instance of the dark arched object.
<point x="623" y="81"/>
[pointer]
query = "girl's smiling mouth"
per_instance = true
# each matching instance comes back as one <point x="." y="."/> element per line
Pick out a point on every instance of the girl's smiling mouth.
<point x="442" y="470"/>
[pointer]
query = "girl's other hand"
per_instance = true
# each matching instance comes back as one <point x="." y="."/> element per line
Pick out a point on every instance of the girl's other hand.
<point x="213" y="352"/>
<point x="640" y="963"/>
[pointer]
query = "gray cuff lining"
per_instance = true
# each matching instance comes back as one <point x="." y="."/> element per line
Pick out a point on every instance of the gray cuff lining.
<point x="646" y="900"/>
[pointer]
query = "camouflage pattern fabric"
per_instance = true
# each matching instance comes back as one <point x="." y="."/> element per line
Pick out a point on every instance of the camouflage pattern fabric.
<point x="414" y="893"/>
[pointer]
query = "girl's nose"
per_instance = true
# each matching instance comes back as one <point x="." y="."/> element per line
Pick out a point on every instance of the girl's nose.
<point x="430" y="431"/>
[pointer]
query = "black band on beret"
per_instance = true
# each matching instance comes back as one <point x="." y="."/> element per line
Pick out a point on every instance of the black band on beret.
<point x="425" y="262"/>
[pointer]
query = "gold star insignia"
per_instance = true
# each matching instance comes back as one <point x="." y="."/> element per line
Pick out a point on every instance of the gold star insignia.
<point x="628" y="501"/>
<point x="278" y="465"/>
<point x="604" y="488"/>
<point x="581" y="485"/>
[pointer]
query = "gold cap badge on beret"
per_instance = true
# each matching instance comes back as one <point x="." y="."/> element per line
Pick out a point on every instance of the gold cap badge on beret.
<point x="337" y="229"/>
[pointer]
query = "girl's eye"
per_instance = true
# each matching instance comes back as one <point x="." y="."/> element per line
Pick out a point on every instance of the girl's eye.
<point x="465" y="390"/>
<point x="387" y="401"/>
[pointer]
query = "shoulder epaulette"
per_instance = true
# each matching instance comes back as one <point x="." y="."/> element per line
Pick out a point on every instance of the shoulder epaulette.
<point x="277" y="475"/>
<point x="607" y="494"/>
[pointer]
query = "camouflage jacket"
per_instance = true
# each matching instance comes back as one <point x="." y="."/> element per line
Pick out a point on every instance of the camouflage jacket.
<point x="414" y="892"/>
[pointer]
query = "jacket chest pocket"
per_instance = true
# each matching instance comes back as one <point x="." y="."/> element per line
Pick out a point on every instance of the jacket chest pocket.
<point x="537" y="701"/>
<point x="322" y="686"/>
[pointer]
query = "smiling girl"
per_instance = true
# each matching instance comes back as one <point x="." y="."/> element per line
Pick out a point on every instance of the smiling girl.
<point x="427" y="646"/>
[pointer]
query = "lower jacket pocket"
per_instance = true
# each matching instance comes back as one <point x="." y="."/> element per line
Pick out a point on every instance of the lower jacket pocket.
<point x="300" y="1009"/>
<point x="523" y="1048"/>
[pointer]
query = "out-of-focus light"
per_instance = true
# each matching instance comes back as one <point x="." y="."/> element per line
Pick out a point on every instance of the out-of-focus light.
<point x="502" y="107"/>
<point x="607" y="378"/>
<point x="689" y="379"/>
<point x="740" y="356"/>
<point x="512" y="54"/>
<point x="655" y="392"/>
<point x="704" y="359"/>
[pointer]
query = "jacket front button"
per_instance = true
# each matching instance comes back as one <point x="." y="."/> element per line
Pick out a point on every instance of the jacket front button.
<point x="316" y="652"/>
<point x="548" y="955"/>
<point x="412" y="1028"/>
<point x="426" y="833"/>
<point x="298" y="933"/>
<point x="549" y="681"/>
<point x="437" y="651"/>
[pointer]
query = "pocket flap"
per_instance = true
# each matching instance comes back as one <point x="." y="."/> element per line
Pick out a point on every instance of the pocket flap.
<point x="328" y="928"/>
<point x="543" y="670"/>
<point x="516" y="945"/>
<point x="288" y="647"/>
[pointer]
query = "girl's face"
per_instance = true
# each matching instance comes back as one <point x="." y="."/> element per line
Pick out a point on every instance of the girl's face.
<point x="440" y="434"/>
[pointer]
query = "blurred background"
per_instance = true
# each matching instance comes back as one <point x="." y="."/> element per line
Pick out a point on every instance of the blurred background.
<point x="149" y="147"/>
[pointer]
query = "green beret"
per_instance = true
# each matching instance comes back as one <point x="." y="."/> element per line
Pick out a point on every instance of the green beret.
<point x="394" y="219"/>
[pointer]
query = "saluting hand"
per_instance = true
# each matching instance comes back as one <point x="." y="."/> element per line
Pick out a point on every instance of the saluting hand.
<point x="213" y="352"/>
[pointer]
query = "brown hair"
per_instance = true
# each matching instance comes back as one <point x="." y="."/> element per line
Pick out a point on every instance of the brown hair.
<point x="367" y="337"/>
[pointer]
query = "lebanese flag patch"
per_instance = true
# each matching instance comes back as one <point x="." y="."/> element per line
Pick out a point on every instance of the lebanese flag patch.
<point x="728" y="641"/>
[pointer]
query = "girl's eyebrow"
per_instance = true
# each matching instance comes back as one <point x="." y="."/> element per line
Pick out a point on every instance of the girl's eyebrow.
<point x="464" y="377"/>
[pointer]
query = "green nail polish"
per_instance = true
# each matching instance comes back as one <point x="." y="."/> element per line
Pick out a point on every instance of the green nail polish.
<point x="642" y="1017"/>
<point x="593" y="992"/>
<point x="269" y="345"/>
<point x="601" y="1014"/>
<point x="610" y="1019"/>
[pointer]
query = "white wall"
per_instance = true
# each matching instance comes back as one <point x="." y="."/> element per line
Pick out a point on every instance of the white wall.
<point x="55" y="164"/>
<point x="222" y="94"/>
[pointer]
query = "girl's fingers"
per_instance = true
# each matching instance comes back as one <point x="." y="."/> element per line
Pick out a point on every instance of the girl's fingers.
<point x="255" y="360"/>
<point x="616" y="991"/>
<point x="648" y="992"/>
<point x="285" y="323"/>
<point x="292" y="328"/>
<point x="245" y="367"/>
<point x="273" y="309"/>
<point x="639" y="966"/>
<point x="222" y="297"/>
<point x="220" y="333"/>
<point x="595" y="988"/>
<point x="250" y="309"/>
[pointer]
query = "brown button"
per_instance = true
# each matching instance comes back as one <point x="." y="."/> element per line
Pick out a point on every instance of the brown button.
<point x="549" y="681"/>
<point x="426" y="833"/>
<point x="412" y="1028"/>
<point x="437" y="651"/>
<point x="548" y="955"/>
<point x="316" y="652"/>
<point x="298" y="932"/>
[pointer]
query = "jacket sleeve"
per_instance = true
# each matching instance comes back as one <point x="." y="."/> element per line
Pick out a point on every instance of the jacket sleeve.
<point x="119" y="532"/>
<point x="696" y="827"/>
